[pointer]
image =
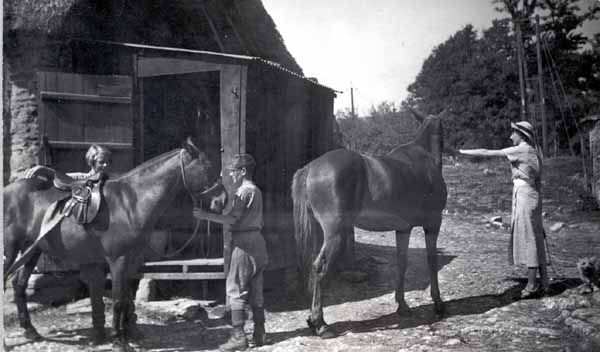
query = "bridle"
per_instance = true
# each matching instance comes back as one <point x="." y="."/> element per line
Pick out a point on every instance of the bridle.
<point x="194" y="200"/>
<point x="185" y="183"/>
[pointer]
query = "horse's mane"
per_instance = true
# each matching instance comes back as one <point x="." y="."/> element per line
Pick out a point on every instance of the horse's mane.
<point x="424" y="137"/>
<point x="149" y="165"/>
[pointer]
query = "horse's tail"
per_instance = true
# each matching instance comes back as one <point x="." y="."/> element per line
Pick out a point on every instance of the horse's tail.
<point x="306" y="232"/>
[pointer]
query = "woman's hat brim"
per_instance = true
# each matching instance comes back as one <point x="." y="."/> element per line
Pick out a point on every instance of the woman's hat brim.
<point x="522" y="130"/>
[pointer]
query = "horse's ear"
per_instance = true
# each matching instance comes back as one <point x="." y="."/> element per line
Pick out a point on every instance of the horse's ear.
<point x="191" y="147"/>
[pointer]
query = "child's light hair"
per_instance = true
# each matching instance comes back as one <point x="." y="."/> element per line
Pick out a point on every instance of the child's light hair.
<point x="94" y="153"/>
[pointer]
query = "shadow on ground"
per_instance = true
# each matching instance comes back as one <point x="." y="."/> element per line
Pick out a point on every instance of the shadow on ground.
<point x="378" y="263"/>
<point x="425" y="315"/>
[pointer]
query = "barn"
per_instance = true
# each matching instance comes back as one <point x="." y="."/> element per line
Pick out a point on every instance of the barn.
<point x="138" y="76"/>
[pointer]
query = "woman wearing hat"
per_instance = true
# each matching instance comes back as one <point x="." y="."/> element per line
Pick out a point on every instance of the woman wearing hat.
<point x="526" y="246"/>
<point x="244" y="284"/>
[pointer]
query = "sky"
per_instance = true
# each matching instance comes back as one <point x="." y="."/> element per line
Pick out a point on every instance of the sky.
<point x="375" y="46"/>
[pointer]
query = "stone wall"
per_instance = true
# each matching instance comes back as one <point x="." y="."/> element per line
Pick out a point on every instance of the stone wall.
<point x="21" y="129"/>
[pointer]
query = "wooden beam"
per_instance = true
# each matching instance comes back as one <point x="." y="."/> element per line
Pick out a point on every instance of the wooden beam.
<point x="187" y="262"/>
<point x="160" y="66"/>
<point x="84" y="145"/>
<point x="88" y="98"/>
<point x="182" y="276"/>
<point x="137" y="112"/>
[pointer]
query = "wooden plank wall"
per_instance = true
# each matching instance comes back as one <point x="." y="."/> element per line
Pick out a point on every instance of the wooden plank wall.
<point x="287" y="126"/>
<point x="77" y="110"/>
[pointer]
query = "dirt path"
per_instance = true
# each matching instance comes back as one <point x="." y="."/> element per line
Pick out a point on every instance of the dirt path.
<point x="476" y="283"/>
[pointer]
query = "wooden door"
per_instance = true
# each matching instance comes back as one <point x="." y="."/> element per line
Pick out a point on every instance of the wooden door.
<point x="78" y="110"/>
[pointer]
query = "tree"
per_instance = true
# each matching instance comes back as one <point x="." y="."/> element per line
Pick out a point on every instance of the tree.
<point x="476" y="79"/>
<point x="568" y="67"/>
<point x="383" y="128"/>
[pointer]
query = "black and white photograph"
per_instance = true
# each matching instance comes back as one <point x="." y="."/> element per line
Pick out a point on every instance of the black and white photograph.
<point x="285" y="175"/>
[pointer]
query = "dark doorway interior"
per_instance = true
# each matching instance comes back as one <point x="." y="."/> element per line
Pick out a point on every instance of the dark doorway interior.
<point x="175" y="107"/>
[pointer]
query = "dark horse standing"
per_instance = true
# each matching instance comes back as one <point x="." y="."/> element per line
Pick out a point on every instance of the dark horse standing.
<point x="132" y="204"/>
<point x="342" y="189"/>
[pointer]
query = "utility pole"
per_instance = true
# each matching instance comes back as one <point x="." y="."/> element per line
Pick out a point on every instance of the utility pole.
<point x="541" y="86"/>
<point x="352" y="100"/>
<point x="520" y="61"/>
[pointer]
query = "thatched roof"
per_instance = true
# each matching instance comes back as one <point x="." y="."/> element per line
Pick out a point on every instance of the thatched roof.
<point x="229" y="26"/>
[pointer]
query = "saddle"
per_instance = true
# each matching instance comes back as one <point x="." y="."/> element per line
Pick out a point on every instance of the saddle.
<point x="85" y="196"/>
<point x="82" y="198"/>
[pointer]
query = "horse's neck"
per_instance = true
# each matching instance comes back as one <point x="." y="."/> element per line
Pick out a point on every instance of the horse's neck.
<point x="154" y="189"/>
<point x="429" y="137"/>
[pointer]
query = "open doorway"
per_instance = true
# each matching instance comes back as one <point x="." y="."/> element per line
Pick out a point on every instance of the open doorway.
<point x="175" y="107"/>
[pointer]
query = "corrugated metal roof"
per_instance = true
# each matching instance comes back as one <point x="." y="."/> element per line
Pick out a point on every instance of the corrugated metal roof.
<point x="216" y="55"/>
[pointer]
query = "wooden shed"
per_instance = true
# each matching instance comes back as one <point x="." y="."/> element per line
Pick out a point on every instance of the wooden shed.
<point x="142" y="100"/>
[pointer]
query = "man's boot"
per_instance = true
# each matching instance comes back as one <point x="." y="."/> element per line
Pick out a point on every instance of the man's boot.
<point x="259" y="336"/>
<point x="237" y="341"/>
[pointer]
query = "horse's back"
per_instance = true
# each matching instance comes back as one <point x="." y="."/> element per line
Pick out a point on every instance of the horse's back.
<point x="403" y="189"/>
<point x="25" y="201"/>
<point x="335" y="181"/>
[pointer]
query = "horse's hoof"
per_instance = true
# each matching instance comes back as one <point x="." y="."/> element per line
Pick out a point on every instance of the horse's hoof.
<point x="119" y="346"/>
<point x="320" y="329"/>
<point x="440" y="310"/>
<point x="98" y="336"/>
<point x="403" y="309"/>
<point x="32" y="334"/>
<point x="325" y="332"/>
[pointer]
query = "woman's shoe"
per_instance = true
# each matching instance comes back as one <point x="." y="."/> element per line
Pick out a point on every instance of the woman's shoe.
<point x="535" y="293"/>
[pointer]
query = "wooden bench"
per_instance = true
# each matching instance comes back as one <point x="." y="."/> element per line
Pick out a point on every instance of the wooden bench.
<point x="188" y="269"/>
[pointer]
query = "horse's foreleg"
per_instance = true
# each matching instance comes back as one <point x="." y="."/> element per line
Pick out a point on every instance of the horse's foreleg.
<point x="130" y="318"/>
<point x="402" y="239"/>
<point x="323" y="263"/>
<point x="431" y="235"/>
<point x="93" y="275"/>
<point x="119" y="283"/>
<point x="19" y="283"/>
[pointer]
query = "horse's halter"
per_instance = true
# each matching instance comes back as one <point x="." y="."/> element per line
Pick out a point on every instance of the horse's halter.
<point x="187" y="188"/>
<point x="185" y="183"/>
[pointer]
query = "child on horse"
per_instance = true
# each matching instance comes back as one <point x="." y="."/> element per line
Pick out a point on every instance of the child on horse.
<point x="98" y="159"/>
<point x="249" y="257"/>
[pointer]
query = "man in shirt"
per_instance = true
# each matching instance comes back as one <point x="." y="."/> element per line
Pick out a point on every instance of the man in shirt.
<point x="249" y="257"/>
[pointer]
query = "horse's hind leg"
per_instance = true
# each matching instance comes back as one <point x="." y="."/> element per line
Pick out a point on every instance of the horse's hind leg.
<point x="332" y="245"/>
<point x="10" y="252"/>
<point x="93" y="275"/>
<point x="431" y="235"/>
<point x="19" y="283"/>
<point x="402" y="240"/>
